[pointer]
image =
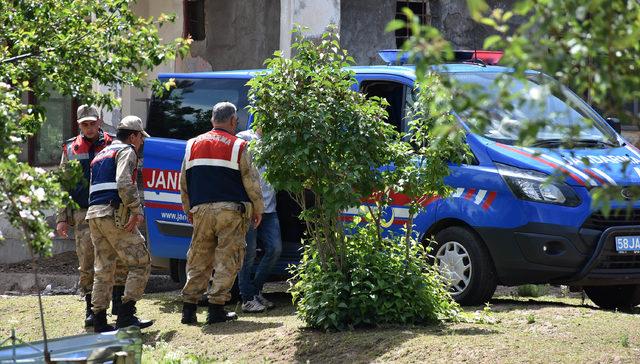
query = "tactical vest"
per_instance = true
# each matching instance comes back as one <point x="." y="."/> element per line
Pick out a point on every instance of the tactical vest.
<point x="103" y="189"/>
<point x="213" y="168"/>
<point x="80" y="149"/>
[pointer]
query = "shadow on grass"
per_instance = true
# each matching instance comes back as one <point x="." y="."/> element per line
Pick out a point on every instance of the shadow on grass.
<point x="368" y="345"/>
<point x="512" y="304"/>
<point x="172" y="303"/>
<point x="239" y="326"/>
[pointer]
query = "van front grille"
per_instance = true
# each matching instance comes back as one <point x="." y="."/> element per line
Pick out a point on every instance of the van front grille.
<point x="598" y="221"/>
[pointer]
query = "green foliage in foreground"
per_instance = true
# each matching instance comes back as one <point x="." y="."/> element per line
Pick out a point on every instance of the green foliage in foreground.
<point x="380" y="285"/>
<point x="63" y="46"/>
<point x="331" y="148"/>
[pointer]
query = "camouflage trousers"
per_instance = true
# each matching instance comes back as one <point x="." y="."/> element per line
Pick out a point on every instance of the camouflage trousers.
<point x="218" y="242"/>
<point x="84" y="250"/>
<point x="111" y="244"/>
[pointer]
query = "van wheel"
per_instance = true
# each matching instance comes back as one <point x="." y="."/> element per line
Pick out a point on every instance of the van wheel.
<point x="622" y="297"/>
<point x="464" y="262"/>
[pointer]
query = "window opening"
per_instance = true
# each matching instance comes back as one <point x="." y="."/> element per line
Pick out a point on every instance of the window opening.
<point x="194" y="19"/>
<point x="56" y="129"/>
<point x="394" y="93"/>
<point x="419" y="8"/>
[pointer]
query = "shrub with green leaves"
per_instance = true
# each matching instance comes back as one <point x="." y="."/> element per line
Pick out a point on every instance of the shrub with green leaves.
<point x="532" y="290"/>
<point x="380" y="285"/>
<point x="325" y="144"/>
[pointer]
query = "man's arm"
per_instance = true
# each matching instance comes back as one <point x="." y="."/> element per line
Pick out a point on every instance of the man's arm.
<point x="251" y="182"/>
<point x="127" y="162"/>
<point x="184" y="192"/>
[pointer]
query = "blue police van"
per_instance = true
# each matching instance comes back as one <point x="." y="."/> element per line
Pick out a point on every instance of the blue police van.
<point x="503" y="224"/>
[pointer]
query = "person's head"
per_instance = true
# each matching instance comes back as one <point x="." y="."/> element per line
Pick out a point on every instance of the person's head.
<point x="89" y="121"/>
<point x="224" y="116"/>
<point x="130" y="131"/>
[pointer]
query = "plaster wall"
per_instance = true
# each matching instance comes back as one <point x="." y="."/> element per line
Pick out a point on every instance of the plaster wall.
<point x="315" y="15"/>
<point x="362" y="28"/>
<point x="135" y="101"/>
<point x="239" y="34"/>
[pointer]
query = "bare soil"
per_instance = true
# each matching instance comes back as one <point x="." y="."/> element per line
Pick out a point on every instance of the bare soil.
<point x="63" y="263"/>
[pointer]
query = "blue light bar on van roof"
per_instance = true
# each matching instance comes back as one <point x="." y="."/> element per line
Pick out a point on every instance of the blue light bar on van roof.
<point x="393" y="56"/>
<point x="398" y="57"/>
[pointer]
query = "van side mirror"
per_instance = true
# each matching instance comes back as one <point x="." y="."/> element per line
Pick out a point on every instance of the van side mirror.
<point x="615" y="124"/>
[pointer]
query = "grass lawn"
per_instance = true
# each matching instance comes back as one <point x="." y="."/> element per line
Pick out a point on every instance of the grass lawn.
<point x="541" y="330"/>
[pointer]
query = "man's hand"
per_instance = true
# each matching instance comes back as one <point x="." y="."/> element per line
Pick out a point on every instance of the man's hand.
<point x="134" y="221"/>
<point x="62" y="228"/>
<point x="256" y="219"/>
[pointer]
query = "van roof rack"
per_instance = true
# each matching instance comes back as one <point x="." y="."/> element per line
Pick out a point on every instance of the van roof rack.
<point x="397" y="57"/>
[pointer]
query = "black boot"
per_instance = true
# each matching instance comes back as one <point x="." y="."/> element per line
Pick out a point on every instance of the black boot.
<point x="189" y="313"/>
<point x="88" y="316"/>
<point x="217" y="313"/>
<point x="100" y="322"/>
<point x="127" y="317"/>
<point x="116" y="299"/>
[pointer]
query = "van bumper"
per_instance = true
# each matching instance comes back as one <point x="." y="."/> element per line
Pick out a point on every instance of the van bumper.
<point x="557" y="254"/>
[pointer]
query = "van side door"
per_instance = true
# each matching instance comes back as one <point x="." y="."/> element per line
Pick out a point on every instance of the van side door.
<point x="398" y="91"/>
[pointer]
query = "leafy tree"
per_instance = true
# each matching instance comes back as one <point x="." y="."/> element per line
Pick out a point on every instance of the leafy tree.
<point x="65" y="46"/>
<point x="330" y="147"/>
<point x="321" y="136"/>
<point x="591" y="46"/>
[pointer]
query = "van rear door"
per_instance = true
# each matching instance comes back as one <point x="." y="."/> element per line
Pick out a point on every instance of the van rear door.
<point x="176" y="116"/>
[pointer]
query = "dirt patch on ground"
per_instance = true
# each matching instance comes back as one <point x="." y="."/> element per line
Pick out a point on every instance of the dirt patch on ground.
<point x="63" y="263"/>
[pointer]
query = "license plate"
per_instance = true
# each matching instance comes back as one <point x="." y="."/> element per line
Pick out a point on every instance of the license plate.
<point x="628" y="243"/>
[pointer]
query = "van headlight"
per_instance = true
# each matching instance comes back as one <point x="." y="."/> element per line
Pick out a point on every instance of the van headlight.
<point x="536" y="186"/>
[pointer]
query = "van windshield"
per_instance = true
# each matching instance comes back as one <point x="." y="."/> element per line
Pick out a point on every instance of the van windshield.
<point x="539" y="100"/>
<point x="185" y="111"/>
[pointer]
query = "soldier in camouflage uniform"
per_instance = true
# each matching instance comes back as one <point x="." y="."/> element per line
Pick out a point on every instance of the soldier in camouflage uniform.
<point x="221" y="195"/>
<point x="114" y="213"/>
<point x="83" y="147"/>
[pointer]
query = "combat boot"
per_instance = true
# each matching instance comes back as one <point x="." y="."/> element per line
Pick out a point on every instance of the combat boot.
<point x="100" y="322"/>
<point x="88" y="316"/>
<point x="127" y="316"/>
<point x="189" y="313"/>
<point x="217" y="313"/>
<point x="116" y="299"/>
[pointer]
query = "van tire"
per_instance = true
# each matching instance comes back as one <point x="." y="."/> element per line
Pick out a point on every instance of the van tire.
<point x="462" y="245"/>
<point x="621" y="297"/>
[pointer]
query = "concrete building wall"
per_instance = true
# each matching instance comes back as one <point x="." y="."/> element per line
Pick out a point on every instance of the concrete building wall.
<point x="362" y="28"/>
<point x="315" y="15"/>
<point x="135" y="101"/>
<point x="239" y="34"/>
<point x="454" y="21"/>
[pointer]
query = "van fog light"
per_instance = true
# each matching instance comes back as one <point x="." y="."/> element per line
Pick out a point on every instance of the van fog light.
<point x="553" y="248"/>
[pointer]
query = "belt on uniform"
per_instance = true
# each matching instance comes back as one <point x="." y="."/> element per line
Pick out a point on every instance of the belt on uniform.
<point x="233" y="206"/>
<point x="241" y="208"/>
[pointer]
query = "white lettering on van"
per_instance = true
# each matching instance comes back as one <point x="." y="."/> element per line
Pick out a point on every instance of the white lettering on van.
<point x="601" y="159"/>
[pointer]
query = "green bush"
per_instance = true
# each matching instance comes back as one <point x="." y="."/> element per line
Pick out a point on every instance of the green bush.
<point x="379" y="286"/>
<point x="532" y="290"/>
